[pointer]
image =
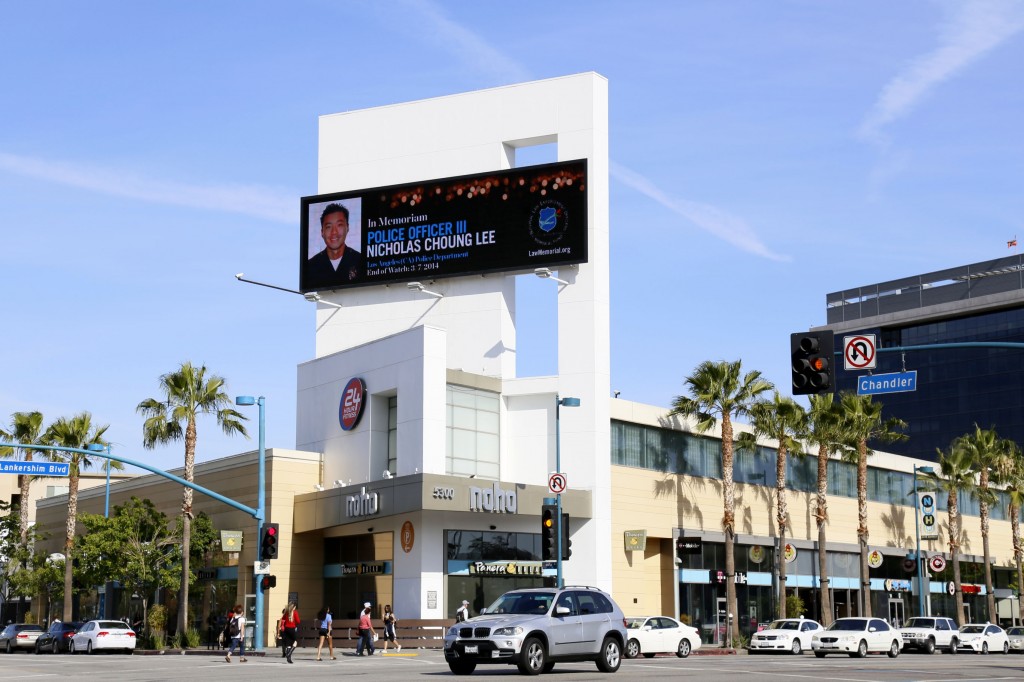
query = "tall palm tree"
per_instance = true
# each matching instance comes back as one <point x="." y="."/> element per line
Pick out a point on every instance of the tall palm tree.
<point x="862" y="421"/>
<point x="990" y="455"/>
<point x="955" y="465"/>
<point x="719" y="391"/>
<point x="188" y="393"/>
<point x="825" y="432"/>
<point x="783" y="420"/>
<point x="75" y="432"/>
<point x="1014" y="482"/>
<point x="26" y="427"/>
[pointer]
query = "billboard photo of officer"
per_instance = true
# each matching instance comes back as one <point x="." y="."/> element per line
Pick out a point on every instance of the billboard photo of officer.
<point x="333" y="258"/>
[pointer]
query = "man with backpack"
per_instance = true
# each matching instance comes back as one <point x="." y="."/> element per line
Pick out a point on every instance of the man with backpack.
<point x="236" y="631"/>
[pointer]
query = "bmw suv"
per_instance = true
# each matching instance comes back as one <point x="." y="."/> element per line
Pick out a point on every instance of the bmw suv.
<point x="538" y="627"/>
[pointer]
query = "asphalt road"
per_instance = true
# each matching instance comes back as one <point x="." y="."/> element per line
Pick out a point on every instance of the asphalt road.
<point x="430" y="664"/>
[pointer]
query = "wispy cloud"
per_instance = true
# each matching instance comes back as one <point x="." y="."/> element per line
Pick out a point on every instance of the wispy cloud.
<point x="972" y="29"/>
<point x="713" y="220"/>
<point x="265" y="203"/>
<point x="465" y="44"/>
<point x="479" y="52"/>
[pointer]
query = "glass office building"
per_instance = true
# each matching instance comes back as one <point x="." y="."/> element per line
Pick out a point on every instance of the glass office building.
<point x="957" y="386"/>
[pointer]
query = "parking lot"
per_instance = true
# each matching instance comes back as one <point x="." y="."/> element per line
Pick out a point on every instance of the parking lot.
<point x="417" y="664"/>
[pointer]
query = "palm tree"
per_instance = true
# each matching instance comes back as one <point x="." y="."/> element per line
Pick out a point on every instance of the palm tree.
<point x="862" y="421"/>
<point x="990" y="455"/>
<point x="26" y="427"/>
<point x="780" y="419"/>
<point x="958" y="476"/>
<point x="77" y="432"/>
<point x="188" y="393"/>
<point x="825" y="432"/>
<point x="1014" y="481"/>
<point x="718" y="391"/>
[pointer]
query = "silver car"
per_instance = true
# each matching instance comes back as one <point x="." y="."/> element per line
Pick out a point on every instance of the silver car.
<point x="536" y="628"/>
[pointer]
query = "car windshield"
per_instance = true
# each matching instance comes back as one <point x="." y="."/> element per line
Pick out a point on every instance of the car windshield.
<point x="973" y="629"/>
<point x="522" y="603"/>
<point x="785" y="625"/>
<point x="635" y="623"/>
<point x="850" y="624"/>
<point x="920" y="623"/>
<point x="112" y="625"/>
<point x="1015" y="631"/>
<point x="28" y="628"/>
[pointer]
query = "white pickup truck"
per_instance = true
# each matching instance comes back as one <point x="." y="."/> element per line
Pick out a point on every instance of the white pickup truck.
<point x="928" y="633"/>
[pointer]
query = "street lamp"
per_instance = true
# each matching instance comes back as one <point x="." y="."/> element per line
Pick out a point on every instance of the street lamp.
<point x="559" y="403"/>
<point x="108" y="587"/>
<point x="257" y="634"/>
<point x="921" y="596"/>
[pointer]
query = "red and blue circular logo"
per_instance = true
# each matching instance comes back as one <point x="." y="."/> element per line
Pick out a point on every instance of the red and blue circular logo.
<point x="352" y="402"/>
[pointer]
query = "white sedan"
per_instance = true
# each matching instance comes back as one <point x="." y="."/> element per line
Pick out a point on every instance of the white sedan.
<point x="98" y="635"/>
<point x="649" y="635"/>
<point x="792" y="635"/>
<point x="857" y="637"/>
<point x="982" y="638"/>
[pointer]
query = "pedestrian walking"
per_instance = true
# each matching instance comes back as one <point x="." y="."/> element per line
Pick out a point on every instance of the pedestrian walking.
<point x="325" y="624"/>
<point x="389" y="628"/>
<point x="366" y="632"/>
<point x="290" y="628"/>
<point x="236" y="630"/>
<point x="463" y="613"/>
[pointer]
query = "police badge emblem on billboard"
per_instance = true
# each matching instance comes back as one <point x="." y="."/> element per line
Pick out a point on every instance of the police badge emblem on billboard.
<point x="549" y="222"/>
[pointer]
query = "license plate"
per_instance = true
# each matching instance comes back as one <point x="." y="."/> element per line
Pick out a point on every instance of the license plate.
<point x="828" y="645"/>
<point x="472" y="649"/>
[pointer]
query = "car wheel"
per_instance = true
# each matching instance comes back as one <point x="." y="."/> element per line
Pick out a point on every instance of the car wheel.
<point x="461" y="667"/>
<point x="894" y="649"/>
<point x="984" y="648"/>
<point x="9" y="650"/>
<point x="632" y="648"/>
<point x="797" y="648"/>
<point x="683" y="650"/>
<point x="1006" y="648"/>
<point x="71" y="647"/>
<point x="929" y="646"/>
<point x="819" y="654"/>
<point x="88" y="648"/>
<point x="611" y="655"/>
<point x="38" y="650"/>
<point x="532" y="657"/>
<point x="954" y="645"/>
<point x="862" y="649"/>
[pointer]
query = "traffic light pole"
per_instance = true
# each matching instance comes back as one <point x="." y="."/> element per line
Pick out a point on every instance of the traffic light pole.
<point x="261" y="495"/>
<point x="558" y="514"/>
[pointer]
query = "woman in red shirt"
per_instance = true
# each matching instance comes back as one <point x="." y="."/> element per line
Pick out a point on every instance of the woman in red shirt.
<point x="289" y="627"/>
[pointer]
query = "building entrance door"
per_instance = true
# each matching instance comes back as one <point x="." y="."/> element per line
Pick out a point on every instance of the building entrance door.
<point x="721" y="620"/>
<point x="897" y="613"/>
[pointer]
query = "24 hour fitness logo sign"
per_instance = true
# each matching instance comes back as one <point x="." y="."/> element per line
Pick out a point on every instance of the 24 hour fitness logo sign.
<point x="352" y="402"/>
<point x="549" y="222"/>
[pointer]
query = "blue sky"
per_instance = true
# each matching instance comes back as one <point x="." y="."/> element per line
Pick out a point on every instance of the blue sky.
<point x="763" y="155"/>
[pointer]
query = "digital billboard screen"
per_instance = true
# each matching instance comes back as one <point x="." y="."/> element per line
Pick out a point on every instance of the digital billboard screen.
<point x="517" y="219"/>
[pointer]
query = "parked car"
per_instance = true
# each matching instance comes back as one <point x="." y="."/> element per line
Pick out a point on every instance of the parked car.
<point x="58" y="638"/>
<point x="982" y="638"/>
<point x="536" y="628"/>
<point x="97" y="635"/>
<point x="857" y="637"/>
<point x="19" y="636"/>
<point x="929" y="633"/>
<point x="1015" y="636"/>
<point x="649" y="635"/>
<point x="792" y="635"/>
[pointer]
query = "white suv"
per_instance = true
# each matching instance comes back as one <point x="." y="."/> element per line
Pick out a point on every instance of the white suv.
<point x="535" y="628"/>
<point x="930" y="633"/>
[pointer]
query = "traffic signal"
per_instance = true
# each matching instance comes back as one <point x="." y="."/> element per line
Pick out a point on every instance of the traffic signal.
<point x="268" y="543"/>
<point x="812" y="362"/>
<point x="566" y="542"/>
<point x="267" y="581"/>
<point x="549" y="532"/>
